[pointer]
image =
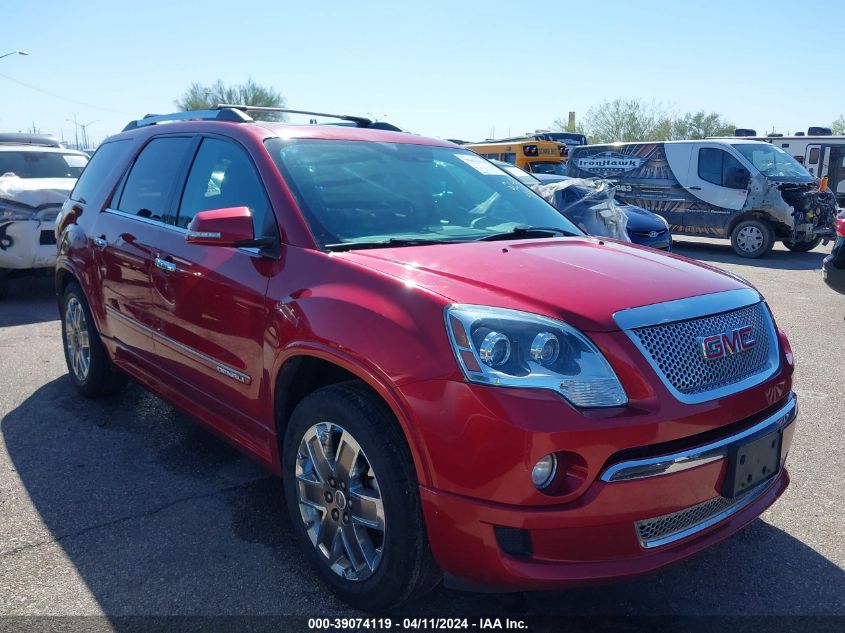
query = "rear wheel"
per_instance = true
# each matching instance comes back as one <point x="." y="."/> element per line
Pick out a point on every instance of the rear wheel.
<point x="351" y="493"/>
<point x="803" y="247"/>
<point x="752" y="238"/>
<point x="88" y="364"/>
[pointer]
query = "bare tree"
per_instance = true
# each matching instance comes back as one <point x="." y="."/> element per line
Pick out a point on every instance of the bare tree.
<point x="200" y="97"/>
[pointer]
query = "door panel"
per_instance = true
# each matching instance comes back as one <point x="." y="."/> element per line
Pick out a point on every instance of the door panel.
<point x="712" y="203"/>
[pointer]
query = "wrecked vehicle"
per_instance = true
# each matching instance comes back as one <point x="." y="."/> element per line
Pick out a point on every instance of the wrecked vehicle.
<point x="36" y="176"/>
<point x="833" y="266"/>
<point x="748" y="191"/>
<point x="589" y="204"/>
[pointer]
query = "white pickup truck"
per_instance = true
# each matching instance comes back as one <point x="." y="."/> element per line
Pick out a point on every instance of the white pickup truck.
<point x="36" y="176"/>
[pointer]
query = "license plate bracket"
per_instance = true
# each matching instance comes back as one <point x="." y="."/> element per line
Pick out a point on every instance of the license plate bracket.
<point x="752" y="463"/>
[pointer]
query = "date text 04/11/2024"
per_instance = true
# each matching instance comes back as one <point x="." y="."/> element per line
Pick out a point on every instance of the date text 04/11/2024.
<point x="431" y="624"/>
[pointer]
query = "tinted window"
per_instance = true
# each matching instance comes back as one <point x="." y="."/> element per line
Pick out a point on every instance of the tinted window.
<point x="149" y="186"/>
<point x="720" y="168"/>
<point x="814" y="156"/>
<point x="34" y="164"/>
<point x="222" y="176"/>
<point x="710" y="165"/>
<point x="102" y="163"/>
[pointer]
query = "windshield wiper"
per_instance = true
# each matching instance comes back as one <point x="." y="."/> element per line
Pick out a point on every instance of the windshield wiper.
<point x="528" y="232"/>
<point x="393" y="241"/>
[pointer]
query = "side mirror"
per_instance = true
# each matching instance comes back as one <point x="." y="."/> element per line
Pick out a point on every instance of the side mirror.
<point x="222" y="227"/>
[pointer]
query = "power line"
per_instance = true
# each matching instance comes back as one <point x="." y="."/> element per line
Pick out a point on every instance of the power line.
<point x="58" y="96"/>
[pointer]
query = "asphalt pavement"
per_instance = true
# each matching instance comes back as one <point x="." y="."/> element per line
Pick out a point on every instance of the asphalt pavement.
<point x="125" y="507"/>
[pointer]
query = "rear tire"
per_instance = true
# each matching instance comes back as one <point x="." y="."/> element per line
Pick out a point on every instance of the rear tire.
<point x="89" y="367"/>
<point x="362" y="525"/>
<point x="803" y="247"/>
<point x="752" y="238"/>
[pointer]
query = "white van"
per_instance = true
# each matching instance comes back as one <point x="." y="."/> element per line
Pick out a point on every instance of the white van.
<point x="750" y="191"/>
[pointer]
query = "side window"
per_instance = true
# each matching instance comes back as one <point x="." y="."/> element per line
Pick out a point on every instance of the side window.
<point x="814" y="156"/>
<point x="149" y="186"/>
<point x="222" y="176"/>
<point x="509" y="157"/>
<point x="105" y="159"/>
<point x="734" y="175"/>
<point x="710" y="165"/>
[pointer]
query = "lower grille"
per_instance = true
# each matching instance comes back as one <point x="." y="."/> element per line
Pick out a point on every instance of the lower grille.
<point x="669" y="528"/>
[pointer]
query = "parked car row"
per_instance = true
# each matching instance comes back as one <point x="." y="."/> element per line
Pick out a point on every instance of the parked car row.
<point x="453" y="380"/>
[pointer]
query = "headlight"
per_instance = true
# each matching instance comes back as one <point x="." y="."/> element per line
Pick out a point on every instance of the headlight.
<point x="508" y="348"/>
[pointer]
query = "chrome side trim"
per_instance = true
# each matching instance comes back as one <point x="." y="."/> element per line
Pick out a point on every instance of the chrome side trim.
<point x="208" y="361"/>
<point x="700" y="455"/>
<point x="138" y="218"/>
<point x="732" y="509"/>
<point x="685" y="309"/>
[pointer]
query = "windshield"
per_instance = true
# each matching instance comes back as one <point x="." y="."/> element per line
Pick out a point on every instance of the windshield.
<point x="364" y="192"/>
<point x="773" y="162"/>
<point x="552" y="167"/>
<point x="34" y="164"/>
<point x="522" y="176"/>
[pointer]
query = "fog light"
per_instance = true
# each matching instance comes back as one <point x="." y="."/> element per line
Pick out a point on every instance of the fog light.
<point x="544" y="472"/>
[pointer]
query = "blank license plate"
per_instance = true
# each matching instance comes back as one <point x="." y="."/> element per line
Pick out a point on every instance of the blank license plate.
<point x="752" y="463"/>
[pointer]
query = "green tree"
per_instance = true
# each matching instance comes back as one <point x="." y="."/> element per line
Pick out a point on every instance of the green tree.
<point x="838" y="126"/>
<point x="627" y="120"/>
<point x="697" y="125"/>
<point x="201" y="97"/>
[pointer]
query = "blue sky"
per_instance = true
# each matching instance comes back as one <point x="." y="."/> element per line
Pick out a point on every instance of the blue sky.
<point x="447" y="69"/>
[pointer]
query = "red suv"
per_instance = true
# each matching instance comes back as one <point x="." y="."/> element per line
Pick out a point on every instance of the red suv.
<point x="451" y="378"/>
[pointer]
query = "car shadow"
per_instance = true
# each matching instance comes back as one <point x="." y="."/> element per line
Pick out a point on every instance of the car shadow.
<point x="31" y="299"/>
<point x="722" y="253"/>
<point x="158" y="517"/>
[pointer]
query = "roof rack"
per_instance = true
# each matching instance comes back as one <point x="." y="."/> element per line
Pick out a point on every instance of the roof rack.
<point x="359" y="121"/>
<point x="224" y="113"/>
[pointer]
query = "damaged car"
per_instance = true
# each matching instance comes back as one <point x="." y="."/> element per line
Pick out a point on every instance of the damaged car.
<point x="833" y="266"/>
<point x="748" y="191"/>
<point x="36" y="176"/>
<point x="593" y="201"/>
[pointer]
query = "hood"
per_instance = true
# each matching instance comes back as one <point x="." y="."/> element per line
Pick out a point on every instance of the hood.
<point x="582" y="281"/>
<point x="640" y="219"/>
<point x="35" y="192"/>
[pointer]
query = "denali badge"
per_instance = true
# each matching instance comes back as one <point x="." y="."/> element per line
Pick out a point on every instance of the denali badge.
<point x="725" y="344"/>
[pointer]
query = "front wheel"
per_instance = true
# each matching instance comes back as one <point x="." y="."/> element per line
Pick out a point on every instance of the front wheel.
<point x="803" y="247"/>
<point x="351" y="493"/>
<point x="752" y="238"/>
<point x="89" y="366"/>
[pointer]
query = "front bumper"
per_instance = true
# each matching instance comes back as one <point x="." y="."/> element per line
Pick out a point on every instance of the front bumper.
<point x="641" y="515"/>
<point x="27" y="244"/>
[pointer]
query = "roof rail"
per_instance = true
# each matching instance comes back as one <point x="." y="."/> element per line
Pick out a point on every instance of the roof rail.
<point x="359" y="121"/>
<point x="217" y="114"/>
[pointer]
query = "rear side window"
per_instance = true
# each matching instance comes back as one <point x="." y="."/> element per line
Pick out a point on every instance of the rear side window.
<point x="149" y="186"/>
<point x="222" y="176"/>
<point x="814" y="156"/>
<point x="720" y="168"/>
<point x="105" y="159"/>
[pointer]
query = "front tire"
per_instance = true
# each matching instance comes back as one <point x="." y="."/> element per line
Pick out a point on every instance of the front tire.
<point x="803" y="247"/>
<point x="752" y="238"/>
<point x="90" y="368"/>
<point x="351" y="493"/>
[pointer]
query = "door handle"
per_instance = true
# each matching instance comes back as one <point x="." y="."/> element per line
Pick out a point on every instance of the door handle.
<point x="694" y="188"/>
<point x="101" y="241"/>
<point x="166" y="266"/>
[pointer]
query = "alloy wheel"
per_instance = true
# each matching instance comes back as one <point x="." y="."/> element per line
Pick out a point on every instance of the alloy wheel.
<point x="340" y="501"/>
<point x="76" y="339"/>
<point x="750" y="239"/>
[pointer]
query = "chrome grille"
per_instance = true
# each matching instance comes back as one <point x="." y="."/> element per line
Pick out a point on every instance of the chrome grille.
<point x="669" y="528"/>
<point x="675" y="352"/>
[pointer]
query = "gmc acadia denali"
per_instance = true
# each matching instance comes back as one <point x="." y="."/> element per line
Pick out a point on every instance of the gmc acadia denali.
<point x="451" y="379"/>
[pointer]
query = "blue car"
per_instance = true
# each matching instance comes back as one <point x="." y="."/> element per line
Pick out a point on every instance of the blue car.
<point x="644" y="227"/>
